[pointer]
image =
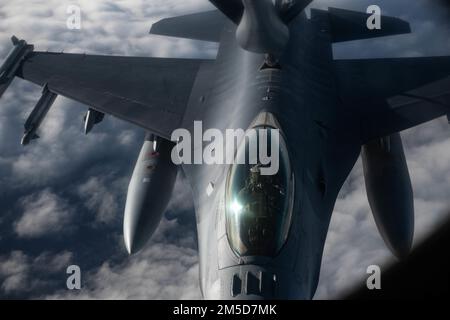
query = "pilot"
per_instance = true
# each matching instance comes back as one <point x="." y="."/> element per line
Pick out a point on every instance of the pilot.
<point x="260" y="198"/>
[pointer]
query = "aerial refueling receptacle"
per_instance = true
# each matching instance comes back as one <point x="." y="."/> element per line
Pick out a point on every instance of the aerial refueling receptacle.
<point x="149" y="192"/>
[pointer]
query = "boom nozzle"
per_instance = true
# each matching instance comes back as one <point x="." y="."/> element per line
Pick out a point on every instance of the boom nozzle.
<point x="261" y="29"/>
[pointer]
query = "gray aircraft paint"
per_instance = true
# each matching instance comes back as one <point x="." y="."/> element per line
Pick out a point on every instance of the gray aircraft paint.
<point x="325" y="109"/>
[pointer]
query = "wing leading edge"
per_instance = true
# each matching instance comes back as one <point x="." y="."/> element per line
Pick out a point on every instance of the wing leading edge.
<point x="149" y="92"/>
<point x="372" y="88"/>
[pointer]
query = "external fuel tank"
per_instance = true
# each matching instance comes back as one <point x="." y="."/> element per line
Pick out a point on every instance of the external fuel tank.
<point x="149" y="192"/>
<point x="390" y="192"/>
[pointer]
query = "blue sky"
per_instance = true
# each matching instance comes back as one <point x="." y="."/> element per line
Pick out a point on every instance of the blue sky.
<point x="63" y="197"/>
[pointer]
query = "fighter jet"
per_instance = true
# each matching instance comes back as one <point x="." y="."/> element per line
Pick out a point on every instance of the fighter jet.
<point x="259" y="236"/>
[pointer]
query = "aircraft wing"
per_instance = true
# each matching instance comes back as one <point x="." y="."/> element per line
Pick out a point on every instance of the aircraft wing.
<point x="392" y="95"/>
<point x="149" y="92"/>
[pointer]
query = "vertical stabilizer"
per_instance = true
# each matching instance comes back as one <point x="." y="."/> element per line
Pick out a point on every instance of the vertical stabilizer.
<point x="287" y="9"/>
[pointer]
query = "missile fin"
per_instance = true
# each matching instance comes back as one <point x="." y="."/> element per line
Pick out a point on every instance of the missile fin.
<point x="14" y="40"/>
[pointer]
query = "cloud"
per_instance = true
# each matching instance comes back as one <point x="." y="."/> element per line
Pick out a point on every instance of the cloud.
<point x="166" y="269"/>
<point x="20" y="273"/>
<point x="161" y="272"/>
<point x="13" y="271"/>
<point x="44" y="214"/>
<point x="53" y="262"/>
<point x="99" y="196"/>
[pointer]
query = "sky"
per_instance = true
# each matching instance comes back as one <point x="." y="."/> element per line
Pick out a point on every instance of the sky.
<point x="62" y="198"/>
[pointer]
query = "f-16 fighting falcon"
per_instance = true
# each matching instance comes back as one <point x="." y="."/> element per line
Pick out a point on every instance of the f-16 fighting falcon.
<point x="259" y="236"/>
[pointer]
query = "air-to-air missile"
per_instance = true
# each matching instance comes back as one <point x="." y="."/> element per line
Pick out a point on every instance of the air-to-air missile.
<point x="12" y="62"/>
<point x="8" y="71"/>
<point x="37" y="115"/>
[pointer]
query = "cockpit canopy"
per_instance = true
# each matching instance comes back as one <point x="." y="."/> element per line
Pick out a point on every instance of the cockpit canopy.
<point x="259" y="207"/>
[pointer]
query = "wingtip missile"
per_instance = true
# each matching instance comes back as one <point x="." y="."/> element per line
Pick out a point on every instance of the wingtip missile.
<point x="13" y="61"/>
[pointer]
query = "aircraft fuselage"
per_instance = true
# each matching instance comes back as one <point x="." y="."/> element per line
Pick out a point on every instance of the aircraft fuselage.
<point x="322" y="144"/>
